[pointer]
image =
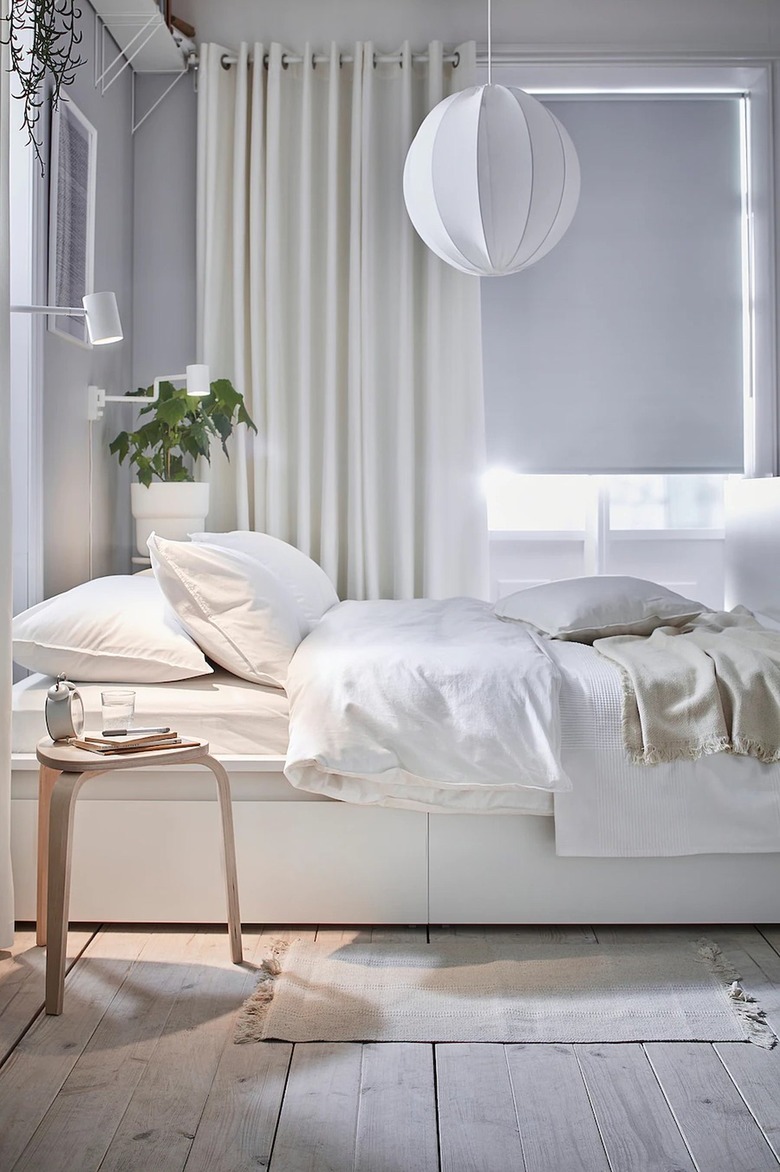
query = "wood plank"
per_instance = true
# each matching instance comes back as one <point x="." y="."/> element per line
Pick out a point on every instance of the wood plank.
<point x="238" y="1124"/>
<point x="478" y="1126"/>
<point x="772" y="934"/>
<point x="79" y="1126"/>
<point x="318" y="1124"/>
<point x="36" y="1070"/>
<point x="557" y="1124"/>
<point x="397" y="1118"/>
<point x="719" y="1130"/>
<point x="637" y="1127"/>
<point x="756" y="1073"/>
<point x="161" y="1119"/>
<point x="236" y="1130"/>
<point x="22" y="976"/>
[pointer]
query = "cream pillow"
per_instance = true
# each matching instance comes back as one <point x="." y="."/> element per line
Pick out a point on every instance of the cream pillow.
<point x="113" y="630"/>
<point x="584" y="609"/>
<point x="308" y="583"/>
<point x="239" y="612"/>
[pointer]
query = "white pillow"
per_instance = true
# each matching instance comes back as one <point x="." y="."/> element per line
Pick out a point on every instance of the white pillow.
<point x="584" y="609"/>
<point x="113" y="630"/>
<point x="237" y="611"/>
<point x="309" y="584"/>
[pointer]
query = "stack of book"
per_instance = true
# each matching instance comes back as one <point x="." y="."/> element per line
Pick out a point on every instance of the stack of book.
<point x="130" y="741"/>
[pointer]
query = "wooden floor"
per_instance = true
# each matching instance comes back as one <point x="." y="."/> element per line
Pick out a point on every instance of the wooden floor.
<point x="140" y="1072"/>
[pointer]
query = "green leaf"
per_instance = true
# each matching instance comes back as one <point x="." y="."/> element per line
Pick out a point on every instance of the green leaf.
<point x="177" y="429"/>
<point x="120" y="446"/>
<point x="172" y="411"/>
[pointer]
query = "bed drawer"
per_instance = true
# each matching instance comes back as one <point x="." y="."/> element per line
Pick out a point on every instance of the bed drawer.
<point x="298" y="862"/>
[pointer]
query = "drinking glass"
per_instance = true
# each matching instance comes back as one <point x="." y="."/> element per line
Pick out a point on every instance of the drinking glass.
<point x="118" y="708"/>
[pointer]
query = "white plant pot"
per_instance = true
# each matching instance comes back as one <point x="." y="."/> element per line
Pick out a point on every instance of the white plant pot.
<point x="172" y="510"/>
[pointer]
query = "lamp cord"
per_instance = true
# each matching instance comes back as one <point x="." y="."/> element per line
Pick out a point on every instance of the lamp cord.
<point x="490" y="42"/>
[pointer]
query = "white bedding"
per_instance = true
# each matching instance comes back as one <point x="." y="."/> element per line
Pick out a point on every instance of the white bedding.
<point x="235" y="717"/>
<point x="350" y="738"/>
<point x="718" y="804"/>
<point x="424" y="705"/>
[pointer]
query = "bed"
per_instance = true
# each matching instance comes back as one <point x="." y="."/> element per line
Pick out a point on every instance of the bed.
<point x="305" y="857"/>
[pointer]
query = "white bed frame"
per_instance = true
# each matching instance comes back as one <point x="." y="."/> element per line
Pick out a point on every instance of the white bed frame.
<point x="146" y="849"/>
<point x="146" y="841"/>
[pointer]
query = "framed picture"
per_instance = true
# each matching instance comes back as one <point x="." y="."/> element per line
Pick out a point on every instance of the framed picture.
<point x="71" y="216"/>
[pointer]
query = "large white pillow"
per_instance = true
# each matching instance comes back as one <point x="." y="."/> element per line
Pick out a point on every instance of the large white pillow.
<point x="238" y="611"/>
<point x="584" y="609"/>
<point x="309" y="584"/>
<point x="113" y="630"/>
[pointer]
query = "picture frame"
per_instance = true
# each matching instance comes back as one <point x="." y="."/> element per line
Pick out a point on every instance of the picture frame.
<point x="72" y="196"/>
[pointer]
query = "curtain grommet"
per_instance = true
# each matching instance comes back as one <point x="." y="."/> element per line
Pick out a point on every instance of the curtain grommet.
<point x="225" y="61"/>
<point x="456" y="60"/>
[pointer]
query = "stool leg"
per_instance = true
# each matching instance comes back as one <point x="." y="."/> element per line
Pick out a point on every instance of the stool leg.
<point x="46" y="779"/>
<point x="63" y="803"/>
<point x="229" y="856"/>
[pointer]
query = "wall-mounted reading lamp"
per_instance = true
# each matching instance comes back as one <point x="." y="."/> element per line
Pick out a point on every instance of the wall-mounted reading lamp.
<point x="100" y="310"/>
<point x="196" y="378"/>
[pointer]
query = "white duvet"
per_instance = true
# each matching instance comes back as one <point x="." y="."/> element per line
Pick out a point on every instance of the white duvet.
<point x="426" y="705"/>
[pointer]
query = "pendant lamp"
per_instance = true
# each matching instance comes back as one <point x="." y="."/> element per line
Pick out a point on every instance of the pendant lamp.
<point x="492" y="179"/>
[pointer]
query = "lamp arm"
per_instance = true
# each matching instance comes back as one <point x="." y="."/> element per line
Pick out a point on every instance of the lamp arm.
<point x="55" y="310"/>
<point x="97" y="399"/>
<point x="196" y="377"/>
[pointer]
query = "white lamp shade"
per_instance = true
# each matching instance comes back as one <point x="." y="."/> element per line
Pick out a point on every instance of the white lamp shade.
<point x="103" y="324"/>
<point x="198" y="379"/>
<point x="491" y="180"/>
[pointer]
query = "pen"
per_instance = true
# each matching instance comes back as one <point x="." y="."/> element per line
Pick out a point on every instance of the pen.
<point x="131" y="732"/>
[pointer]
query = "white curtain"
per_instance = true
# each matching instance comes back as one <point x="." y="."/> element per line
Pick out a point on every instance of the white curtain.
<point x="6" y="594"/>
<point x="357" y="350"/>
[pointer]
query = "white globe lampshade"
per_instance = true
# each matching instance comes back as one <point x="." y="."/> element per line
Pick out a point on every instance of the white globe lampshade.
<point x="491" y="180"/>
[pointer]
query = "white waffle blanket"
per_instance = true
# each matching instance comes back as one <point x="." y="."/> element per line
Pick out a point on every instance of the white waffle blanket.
<point x="715" y="805"/>
<point x="427" y="705"/>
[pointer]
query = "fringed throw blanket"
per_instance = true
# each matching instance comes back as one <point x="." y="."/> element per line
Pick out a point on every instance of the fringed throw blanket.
<point x="711" y="686"/>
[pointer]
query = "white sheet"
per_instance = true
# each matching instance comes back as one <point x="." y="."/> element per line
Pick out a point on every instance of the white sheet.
<point x="236" y="717"/>
<point x="432" y="705"/>
<point x="719" y="804"/>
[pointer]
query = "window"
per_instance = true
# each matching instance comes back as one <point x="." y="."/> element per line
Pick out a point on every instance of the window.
<point x="568" y="504"/>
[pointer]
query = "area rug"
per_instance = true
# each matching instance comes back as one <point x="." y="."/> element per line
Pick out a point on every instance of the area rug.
<point x="500" y="989"/>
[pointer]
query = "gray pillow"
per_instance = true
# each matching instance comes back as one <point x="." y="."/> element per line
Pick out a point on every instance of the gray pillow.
<point x="584" y="609"/>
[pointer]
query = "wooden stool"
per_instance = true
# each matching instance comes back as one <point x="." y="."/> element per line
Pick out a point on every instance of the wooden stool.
<point x="63" y="771"/>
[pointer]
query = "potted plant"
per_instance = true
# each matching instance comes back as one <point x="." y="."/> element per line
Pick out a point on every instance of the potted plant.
<point x="178" y="429"/>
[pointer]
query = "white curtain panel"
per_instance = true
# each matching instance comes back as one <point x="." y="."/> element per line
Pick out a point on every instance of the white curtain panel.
<point x="6" y="880"/>
<point x="357" y="350"/>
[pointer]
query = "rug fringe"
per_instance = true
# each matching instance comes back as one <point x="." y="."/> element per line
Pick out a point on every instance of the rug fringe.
<point x="750" y="1013"/>
<point x="255" y="1008"/>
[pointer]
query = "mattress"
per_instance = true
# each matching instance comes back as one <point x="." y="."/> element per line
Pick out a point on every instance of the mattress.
<point x="233" y="715"/>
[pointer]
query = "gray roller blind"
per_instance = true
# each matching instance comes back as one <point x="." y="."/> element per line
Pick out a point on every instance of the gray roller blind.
<point x="621" y="351"/>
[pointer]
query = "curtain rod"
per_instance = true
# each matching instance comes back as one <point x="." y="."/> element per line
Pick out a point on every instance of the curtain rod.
<point x="545" y="54"/>
<point x="228" y="59"/>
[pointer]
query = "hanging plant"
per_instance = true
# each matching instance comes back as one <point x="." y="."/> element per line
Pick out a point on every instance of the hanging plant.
<point x="43" y="36"/>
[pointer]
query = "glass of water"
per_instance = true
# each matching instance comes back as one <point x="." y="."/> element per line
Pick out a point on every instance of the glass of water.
<point x="117" y="708"/>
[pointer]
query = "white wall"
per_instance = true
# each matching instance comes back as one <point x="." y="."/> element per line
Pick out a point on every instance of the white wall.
<point x="686" y="25"/>
<point x="164" y="218"/>
<point x="69" y="368"/>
